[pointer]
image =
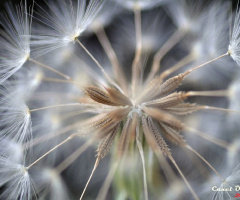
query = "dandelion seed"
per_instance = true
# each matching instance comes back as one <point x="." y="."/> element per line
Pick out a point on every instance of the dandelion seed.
<point x="66" y="22"/>
<point x="233" y="48"/>
<point x="211" y="42"/>
<point x="64" y="25"/>
<point x="16" y="179"/>
<point x="231" y="181"/>
<point x="49" y="184"/>
<point x="14" y="40"/>
<point x="15" y="116"/>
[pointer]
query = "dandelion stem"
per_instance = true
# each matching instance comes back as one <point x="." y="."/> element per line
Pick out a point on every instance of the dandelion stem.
<point x="58" y="80"/>
<point x="94" y="168"/>
<point x="73" y="114"/>
<point x="184" y="178"/>
<point x="103" y="191"/>
<point x="136" y="62"/>
<point x="49" y="68"/>
<point x="54" y="148"/>
<point x="169" y="44"/>
<point x="204" y="160"/>
<point x="56" y="106"/>
<point x="51" y="135"/>
<point x="204" y="64"/>
<point x="118" y="72"/>
<point x="167" y="169"/>
<point x="91" y="73"/>
<point x="98" y="64"/>
<point x="218" y="109"/>
<point x="213" y="93"/>
<point x="186" y="60"/>
<point x="140" y="148"/>
<point x="68" y="161"/>
<point x="216" y="141"/>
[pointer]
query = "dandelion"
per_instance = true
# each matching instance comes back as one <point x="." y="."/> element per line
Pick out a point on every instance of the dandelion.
<point x="152" y="128"/>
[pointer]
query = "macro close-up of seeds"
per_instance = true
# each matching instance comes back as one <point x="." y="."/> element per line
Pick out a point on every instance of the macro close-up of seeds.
<point x="119" y="99"/>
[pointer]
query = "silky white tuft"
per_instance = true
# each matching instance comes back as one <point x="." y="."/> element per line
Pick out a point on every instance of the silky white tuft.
<point x="224" y="191"/>
<point x="234" y="45"/>
<point x="14" y="40"/>
<point x="16" y="179"/>
<point x="50" y="184"/>
<point x="15" y="118"/>
<point x="12" y="149"/>
<point x="66" y="22"/>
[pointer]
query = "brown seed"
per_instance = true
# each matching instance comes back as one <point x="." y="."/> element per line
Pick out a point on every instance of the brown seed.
<point x="99" y="95"/>
<point x="105" y="145"/>
<point x="128" y="133"/>
<point x="118" y="98"/>
<point x="153" y="136"/>
<point x="163" y="117"/>
<point x="168" y="101"/>
<point x="157" y="88"/>
<point x="171" y="134"/>
<point x="182" y="109"/>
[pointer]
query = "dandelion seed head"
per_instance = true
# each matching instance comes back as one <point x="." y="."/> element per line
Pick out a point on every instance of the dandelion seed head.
<point x="137" y="107"/>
